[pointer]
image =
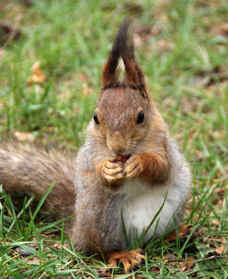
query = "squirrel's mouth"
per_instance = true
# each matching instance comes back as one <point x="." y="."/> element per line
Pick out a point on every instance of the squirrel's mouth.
<point x="122" y="158"/>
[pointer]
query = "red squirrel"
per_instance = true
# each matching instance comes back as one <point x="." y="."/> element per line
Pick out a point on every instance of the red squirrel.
<point x="128" y="163"/>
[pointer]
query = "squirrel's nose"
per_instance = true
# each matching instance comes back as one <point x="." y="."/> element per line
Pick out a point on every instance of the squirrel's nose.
<point x="116" y="143"/>
<point x="118" y="150"/>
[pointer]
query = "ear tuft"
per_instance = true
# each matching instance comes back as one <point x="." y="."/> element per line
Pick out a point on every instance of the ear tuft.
<point x="123" y="47"/>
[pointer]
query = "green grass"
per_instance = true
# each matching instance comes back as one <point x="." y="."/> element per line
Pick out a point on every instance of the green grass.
<point x="185" y="59"/>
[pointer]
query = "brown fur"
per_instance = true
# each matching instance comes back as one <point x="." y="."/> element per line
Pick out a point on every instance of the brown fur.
<point x="31" y="169"/>
<point x="155" y="167"/>
<point x="119" y="128"/>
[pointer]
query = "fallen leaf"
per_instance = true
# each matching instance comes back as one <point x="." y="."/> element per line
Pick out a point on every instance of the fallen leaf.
<point x="215" y="222"/>
<point x="221" y="30"/>
<point x="58" y="245"/>
<point x="188" y="265"/>
<point x="220" y="250"/>
<point x="155" y="269"/>
<point x="34" y="260"/>
<point x="104" y="273"/>
<point x="169" y="258"/>
<point x="86" y="90"/>
<point x="83" y="77"/>
<point x="164" y="45"/>
<point x="22" y="136"/>
<point x="37" y="75"/>
<point x="182" y="231"/>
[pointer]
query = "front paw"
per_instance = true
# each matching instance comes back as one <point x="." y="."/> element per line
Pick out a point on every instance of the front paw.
<point x="133" y="166"/>
<point x="112" y="172"/>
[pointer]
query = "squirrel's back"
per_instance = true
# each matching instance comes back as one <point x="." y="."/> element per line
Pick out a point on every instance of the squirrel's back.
<point x="31" y="169"/>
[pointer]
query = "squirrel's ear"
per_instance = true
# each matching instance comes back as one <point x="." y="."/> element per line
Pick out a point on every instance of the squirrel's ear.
<point x="124" y="47"/>
<point x="110" y="73"/>
<point x="134" y="76"/>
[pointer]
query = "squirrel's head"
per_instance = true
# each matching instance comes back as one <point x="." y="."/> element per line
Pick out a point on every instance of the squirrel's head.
<point x="122" y="115"/>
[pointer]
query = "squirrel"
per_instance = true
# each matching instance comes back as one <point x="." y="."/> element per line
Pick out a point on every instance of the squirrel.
<point x="125" y="169"/>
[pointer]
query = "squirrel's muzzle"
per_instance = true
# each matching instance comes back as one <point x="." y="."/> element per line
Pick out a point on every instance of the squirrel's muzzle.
<point x="116" y="143"/>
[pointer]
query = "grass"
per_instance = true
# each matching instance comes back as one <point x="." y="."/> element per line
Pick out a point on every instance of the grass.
<point x="184" y="54"/>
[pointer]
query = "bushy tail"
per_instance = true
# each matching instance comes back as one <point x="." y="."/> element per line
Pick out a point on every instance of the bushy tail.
<point x="30" y="169"/>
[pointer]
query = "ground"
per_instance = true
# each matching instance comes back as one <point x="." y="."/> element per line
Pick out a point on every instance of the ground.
<point x="51" y="55"/>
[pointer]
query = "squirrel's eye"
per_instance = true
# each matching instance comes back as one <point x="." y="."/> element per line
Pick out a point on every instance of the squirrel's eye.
<point x="140" y="117"/>
<point x="95" y="118"/>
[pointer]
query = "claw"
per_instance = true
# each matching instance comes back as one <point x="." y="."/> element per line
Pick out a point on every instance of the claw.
<point x="133" y="167"/>
<point x="112" y="172"/>
<point x="129" y="259"/>
<point x="111" y="178"/>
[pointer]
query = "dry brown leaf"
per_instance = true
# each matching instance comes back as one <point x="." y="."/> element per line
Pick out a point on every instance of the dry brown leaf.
<point x="188" y="265"/>
<point x="37" y="75"/>
<point x="219" y="134"/>
<point x="220" y="250"/>
<point x="155" y="269"/>
<point x="86" y="90"/>
<point x="215" y="222"/>
<point x="169" y="258"/>
<point x="182" y="232"/>
<point x="34" y="260"/>
<point x="104" y="273"/>
<point x="221" y="30"/>
<point x="57" y="245"/>
<point x="220" y="191"/>
<point x="83" y="77"/>
<point x="22" y="136"/>
<point x="164" y="45"/>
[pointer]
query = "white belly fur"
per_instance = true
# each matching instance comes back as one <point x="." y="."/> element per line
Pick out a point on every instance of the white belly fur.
<point x="143" y="201"/>
<point x="142" y="204"/>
